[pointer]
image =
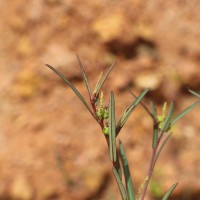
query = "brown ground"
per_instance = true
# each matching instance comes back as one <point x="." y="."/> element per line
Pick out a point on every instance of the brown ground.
<point x="156" y="44"/>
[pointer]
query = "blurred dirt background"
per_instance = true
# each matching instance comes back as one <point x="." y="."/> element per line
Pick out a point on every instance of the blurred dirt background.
<point x="50" y="146"/>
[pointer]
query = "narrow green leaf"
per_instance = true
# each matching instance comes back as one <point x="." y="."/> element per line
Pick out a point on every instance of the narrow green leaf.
<point x="168" y="193"/>
<point x="128" y="181"/>
<point x="129" y="110"/>
<point x="72" y="87"/>
<point x="120" y="184"/>
<point x="98" y="84"/>
<point x="144" y="106"/>
<point x="194" y="93"/>
<point x="118" y="168"/>
<point x="168" y="118"/>
<point x="161" y="147"/>
<point x="140" y="97"/>
<point x="155" y="125"/>
<point x="184" y="112"/>
<point x="155" y="136"/>
<point x="105" y="77"/>
<point x="112" y="128"/>
<point x="84" y="76"/>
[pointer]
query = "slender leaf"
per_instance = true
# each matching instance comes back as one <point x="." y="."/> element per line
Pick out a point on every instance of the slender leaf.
<point x="155" y="135"/>
<point x="168" y="118"/>
<point x="98" y="84"/>
<point x="161" y="147"/>
<point x="84" y="76"/>
<point x="72" y="87"/>
<point x="144" y="106"/>
<point x="168" y="193"/>
<point x="112" y="128"/>
<point x="194" y="93"/>
<point x="129" y="185"/>
<point x="129" y="110"/>
<point x="118" y="168"/>
<point x="105" y="77"/>
<point x="120" y="184"/>
<point x="155" y="125"/>
<point x="184" y="112"/>
<point x="140" y="97"/>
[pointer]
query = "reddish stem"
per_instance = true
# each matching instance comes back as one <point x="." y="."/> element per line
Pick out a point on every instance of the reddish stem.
<point x="151" y="166"/>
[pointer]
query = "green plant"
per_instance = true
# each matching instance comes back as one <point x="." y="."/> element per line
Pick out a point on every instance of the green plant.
<point x="105" y="117"/>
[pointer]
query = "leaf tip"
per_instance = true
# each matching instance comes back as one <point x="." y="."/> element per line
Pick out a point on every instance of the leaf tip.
<point x="49" y="66"/>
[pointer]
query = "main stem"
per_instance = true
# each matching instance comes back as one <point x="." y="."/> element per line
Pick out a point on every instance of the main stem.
<point x="101" y="123"/>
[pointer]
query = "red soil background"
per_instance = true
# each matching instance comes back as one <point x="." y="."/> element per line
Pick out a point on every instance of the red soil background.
<point x="156" y="44"/>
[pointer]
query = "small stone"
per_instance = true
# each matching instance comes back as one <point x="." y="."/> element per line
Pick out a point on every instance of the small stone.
<point x="35" y="10"/>
<point x="21" y="189"/>
<point x="121" y="82"/>
<point x="109" y="27"/>
<point x="189" y="73"/>
<point x="144" y="30"/>
<point x="152" y="80"/>
<point x="63" y="60"/>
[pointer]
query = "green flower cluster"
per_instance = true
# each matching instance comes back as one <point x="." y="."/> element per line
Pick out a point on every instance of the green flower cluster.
<point x="102" y="113"/>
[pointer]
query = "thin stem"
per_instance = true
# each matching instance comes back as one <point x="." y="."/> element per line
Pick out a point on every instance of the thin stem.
<point x="151" y="166"/>
<point x="92" y="101"/>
